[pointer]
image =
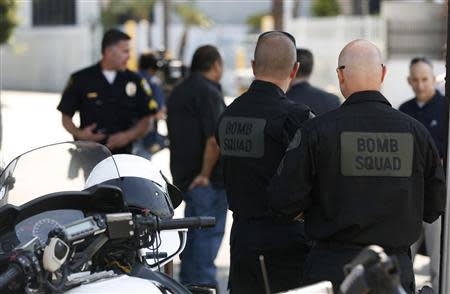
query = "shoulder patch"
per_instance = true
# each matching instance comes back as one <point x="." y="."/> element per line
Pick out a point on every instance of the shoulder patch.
<point x="152" y="104"/>
<point x="242" y="137"/>
<point x="377" y="154"/>
<point x="146" y="87"/>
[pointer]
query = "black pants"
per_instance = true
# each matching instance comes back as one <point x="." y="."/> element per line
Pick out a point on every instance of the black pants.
<point x="284" y="249"/>
<point x="326" y="263"/>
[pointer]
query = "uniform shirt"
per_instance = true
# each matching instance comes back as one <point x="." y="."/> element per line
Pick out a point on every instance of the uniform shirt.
<point x="363" y="174"/>
<point x="431" y="115"/>
<point x="113" y="107"/>
<point x="193" y="109"/>
<point x="155" y="86"/>
<point x="253" y="134"/>
<point x="318" y="100"/>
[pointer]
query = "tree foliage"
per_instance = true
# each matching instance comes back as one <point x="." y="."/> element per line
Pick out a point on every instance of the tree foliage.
<point x="254" y="21"/>
<point x="119" y="11"/>
<point x="190" y="15"/>
<point x="8" y="19"/>
<point x="326" y="8"/>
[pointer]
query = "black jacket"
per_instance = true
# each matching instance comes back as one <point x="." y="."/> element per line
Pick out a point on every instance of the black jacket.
<point x="363" y="174"/>
<point x="253" y="134"/>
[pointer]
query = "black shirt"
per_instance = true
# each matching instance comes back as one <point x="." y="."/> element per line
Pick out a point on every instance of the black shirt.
<point x="193" y="109"/>
<point x="431" y="115"/>
<point x="318" y="100"/>
<point x="363" y="174"/>
<point x="253" y="134"/>
<point x="113" y="107"/>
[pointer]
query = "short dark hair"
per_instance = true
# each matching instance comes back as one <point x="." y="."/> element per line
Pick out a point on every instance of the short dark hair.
<point x="112" y="37"/>
<point x="306" y="59"/>
<point x="148" y="61"/>
<point x="204" y="58"/>
<point x="420" y="59"/>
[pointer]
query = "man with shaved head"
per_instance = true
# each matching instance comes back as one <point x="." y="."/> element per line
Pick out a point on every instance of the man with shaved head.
<point x="428" y="107"/>
<point x="362" y="174"/>
<point x="253" y="134"/>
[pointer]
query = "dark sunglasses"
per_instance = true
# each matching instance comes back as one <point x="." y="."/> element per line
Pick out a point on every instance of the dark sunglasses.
<point x="284" y="33"/>
<point x="341" y="67"/>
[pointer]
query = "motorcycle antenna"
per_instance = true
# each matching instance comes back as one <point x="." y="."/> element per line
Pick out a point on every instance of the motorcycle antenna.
<point x="264" y="274"/>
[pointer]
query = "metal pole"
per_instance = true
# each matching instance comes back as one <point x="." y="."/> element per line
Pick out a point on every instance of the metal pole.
<point x="444" y="282"/>
<point x="277" y="14"/>
<point x="166" y="8"/>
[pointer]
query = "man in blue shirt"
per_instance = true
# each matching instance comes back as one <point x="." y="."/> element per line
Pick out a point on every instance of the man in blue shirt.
<point x="428" y="107"/>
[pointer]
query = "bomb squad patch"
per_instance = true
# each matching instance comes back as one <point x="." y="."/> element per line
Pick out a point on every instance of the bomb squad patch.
<point x="376" y="154"/>
<point x="242" y="137"/>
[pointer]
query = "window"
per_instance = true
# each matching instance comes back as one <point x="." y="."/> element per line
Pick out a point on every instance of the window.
<point x="53" y="12"/>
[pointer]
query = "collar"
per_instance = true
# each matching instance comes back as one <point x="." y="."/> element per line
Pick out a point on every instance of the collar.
<point x="433" y="100"/>
<point x="271" y="88"/>
<point x="198" y="76"/>
<point x="299" y="84"/>
<point x="366" y="96"/>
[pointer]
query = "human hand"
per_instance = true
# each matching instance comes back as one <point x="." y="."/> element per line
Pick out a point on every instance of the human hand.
<point x="300" y="217"/>
<point x="117" y="140"/>
<point x="87" y="134"/>
<point x="199" y="181"/>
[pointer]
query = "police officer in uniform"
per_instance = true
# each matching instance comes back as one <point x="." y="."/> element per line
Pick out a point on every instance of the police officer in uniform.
<point x="362" y="174"/>
<point x="253" y="134"/>
<point x="113" y="102"/>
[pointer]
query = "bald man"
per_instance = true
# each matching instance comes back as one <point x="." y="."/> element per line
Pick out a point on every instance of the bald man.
<point x="428" y="107"/>
<point x="362" y="174"/>
<point x="428" y="104"/>
<point x="253" y="134"/>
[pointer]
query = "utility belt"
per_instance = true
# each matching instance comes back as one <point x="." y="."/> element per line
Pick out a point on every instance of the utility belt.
<point x="330" y="244"/>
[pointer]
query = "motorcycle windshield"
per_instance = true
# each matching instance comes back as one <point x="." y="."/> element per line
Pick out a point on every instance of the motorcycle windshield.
<point x="54" y="168"/>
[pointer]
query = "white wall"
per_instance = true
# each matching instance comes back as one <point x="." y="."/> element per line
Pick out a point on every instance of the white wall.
<point x="326" y="36"/>
<point x="42" y="59"/>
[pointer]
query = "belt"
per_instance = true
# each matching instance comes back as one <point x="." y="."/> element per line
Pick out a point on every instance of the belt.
<point x="331" y="244"/>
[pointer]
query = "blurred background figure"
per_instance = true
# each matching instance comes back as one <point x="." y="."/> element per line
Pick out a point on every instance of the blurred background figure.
<point x="428" y="107"/>
<point x="193" y="109"/>
<point x="153" y="141"/>
<point x="301" y="91"/>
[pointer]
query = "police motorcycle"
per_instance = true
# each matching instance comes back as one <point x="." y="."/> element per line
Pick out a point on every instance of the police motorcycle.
<point x="372" y="271"/>
<point x="95" y="231"/>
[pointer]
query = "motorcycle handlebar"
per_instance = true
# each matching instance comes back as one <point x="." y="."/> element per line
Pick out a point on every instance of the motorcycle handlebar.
<point x="154" y="223"/>
<point x="9" y="275"/>
<point x="187" y="223"/>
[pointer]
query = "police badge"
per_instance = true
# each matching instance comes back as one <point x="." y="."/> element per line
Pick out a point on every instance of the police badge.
<point x="131" y="89"/>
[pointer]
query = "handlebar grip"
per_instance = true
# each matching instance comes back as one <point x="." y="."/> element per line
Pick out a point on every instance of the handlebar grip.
<point x="187" y="222"/>
<point x="9" y="275"/>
